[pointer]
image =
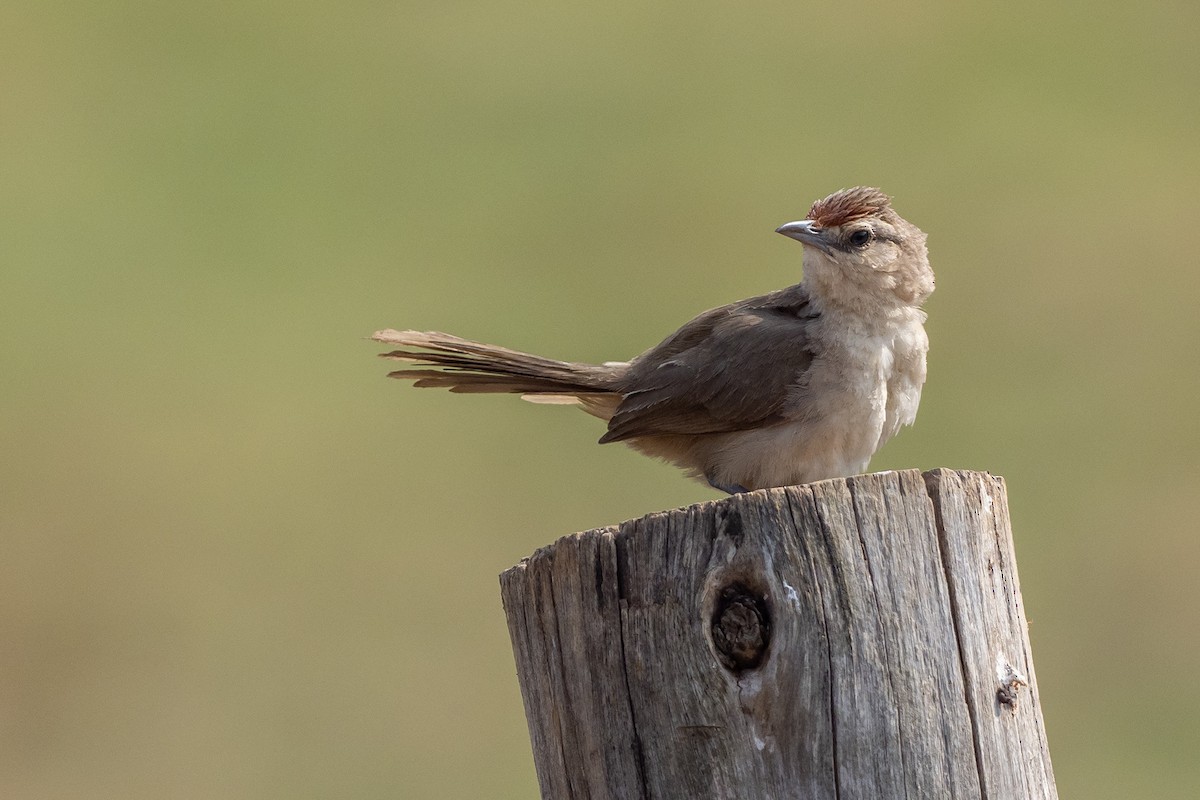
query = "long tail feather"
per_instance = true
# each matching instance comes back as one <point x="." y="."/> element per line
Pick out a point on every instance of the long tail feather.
<point x="466" y="366"/>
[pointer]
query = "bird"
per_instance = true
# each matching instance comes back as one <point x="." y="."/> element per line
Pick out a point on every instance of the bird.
<point x="798" y="385"/>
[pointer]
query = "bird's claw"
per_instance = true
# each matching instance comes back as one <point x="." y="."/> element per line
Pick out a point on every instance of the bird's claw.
<point x="727" y="489"/>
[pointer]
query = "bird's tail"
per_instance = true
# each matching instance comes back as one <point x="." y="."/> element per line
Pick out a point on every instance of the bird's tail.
<point x="462" y="365"/>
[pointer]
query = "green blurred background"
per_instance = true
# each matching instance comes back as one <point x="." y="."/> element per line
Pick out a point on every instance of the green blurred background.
<point x="239" y="563"/>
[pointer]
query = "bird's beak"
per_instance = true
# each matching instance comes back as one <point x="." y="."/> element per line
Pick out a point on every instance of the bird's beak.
<point x="806" y="232"/>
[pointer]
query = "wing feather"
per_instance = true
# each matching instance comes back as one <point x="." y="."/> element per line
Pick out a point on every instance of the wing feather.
<point x="731" y="368"/>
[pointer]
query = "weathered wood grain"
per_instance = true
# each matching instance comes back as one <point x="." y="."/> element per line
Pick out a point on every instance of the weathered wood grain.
<point x="857" y="638"/>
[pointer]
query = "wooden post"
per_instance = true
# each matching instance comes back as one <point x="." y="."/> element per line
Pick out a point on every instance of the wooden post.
<point x="853" y="638"/>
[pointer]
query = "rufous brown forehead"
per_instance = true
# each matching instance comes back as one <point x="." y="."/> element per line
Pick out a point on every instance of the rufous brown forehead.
<point x="848" y="205"/>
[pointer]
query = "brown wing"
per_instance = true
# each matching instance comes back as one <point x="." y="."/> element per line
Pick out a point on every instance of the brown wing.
<point x="729" y="369"/>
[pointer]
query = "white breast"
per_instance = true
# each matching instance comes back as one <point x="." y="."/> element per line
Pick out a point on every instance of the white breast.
<point x="858" y="393"/>
<point x="905" y="379"/>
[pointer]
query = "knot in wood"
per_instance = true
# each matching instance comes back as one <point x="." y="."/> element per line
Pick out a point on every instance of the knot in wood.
<point x="741" y="628"/>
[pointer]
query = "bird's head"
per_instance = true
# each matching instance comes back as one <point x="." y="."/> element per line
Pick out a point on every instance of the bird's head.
<point x="861" y="253"/>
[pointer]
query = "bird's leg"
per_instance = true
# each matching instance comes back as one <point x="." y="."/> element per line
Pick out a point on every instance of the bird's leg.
<point x="730" y="489"/>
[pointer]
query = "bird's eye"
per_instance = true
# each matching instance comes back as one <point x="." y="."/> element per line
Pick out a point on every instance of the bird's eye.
<point x="860" y="238"/>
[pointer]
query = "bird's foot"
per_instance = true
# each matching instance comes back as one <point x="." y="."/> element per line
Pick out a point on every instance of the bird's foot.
<point x="727" y="489"/>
